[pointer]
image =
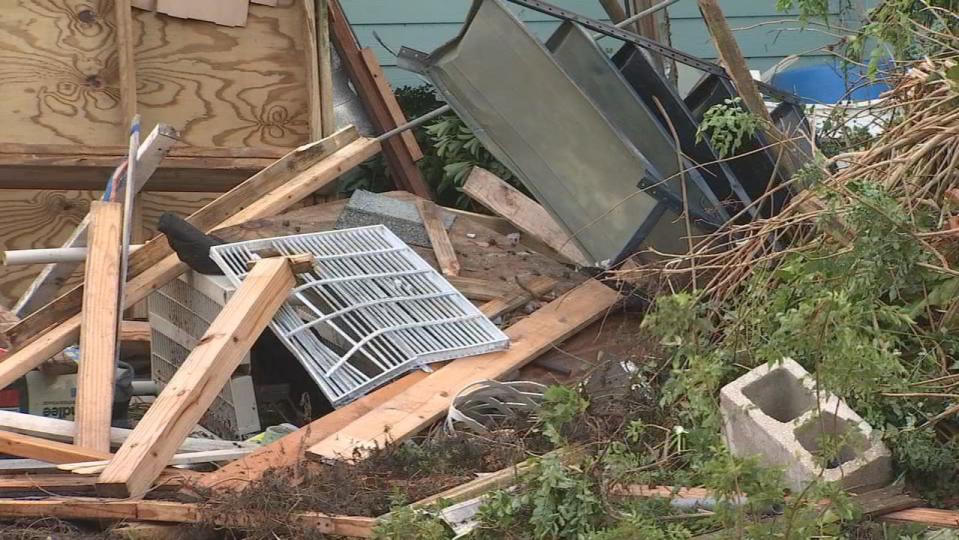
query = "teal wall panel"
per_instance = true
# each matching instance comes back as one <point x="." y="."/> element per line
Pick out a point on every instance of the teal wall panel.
<point x="765" y="35"/>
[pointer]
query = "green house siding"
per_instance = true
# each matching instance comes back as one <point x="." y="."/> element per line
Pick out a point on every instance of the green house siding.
<point x="765" y="35"/>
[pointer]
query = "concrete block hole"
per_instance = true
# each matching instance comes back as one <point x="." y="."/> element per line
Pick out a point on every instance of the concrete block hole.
<point x="811" y="436"/>
<point x="781" y="395"/>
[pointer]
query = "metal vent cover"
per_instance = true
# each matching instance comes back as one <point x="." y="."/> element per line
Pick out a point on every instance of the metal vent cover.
<point x="370" y="310"/>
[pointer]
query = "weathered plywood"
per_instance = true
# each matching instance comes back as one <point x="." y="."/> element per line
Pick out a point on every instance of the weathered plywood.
<point x="42" y="219"/>
<point x="219" y="86"/>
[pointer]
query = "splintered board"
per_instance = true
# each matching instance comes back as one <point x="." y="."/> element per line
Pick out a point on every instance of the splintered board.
<point x="43" y="219"/>
<point x="219" y="86"/>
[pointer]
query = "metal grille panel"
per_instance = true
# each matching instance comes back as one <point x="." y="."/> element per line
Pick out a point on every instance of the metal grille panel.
<point x="370" y="310"/>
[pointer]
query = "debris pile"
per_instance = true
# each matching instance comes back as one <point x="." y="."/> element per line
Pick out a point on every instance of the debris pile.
<point x="677" y="316"/>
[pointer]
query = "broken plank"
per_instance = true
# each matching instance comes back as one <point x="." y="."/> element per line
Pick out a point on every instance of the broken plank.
<point x="440" y="240"/>
<point x="198" y="381"/>
<point x="482" y="290"/>
<point x="99" y="327"/>
<point x="222" y="12"/>
<point x="207" y="218"/>
<point x="63" y="430"/>
<point x="211" y="456"/>
<point x="401" y="164"/>
<point x="125" y="61"/>
<point x="25" y="446"/>
<point x="392" y="105"/>
<point x="931" y="517"/>
<point x="173" y="512"/>
<point x="427" y="401"/>
<point x="524" y="213"/>
<point x="288" y="451"/>
<point x="538" y="286"/>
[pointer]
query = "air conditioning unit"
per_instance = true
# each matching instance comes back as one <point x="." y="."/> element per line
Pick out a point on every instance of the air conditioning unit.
<point x="180" y="313"/>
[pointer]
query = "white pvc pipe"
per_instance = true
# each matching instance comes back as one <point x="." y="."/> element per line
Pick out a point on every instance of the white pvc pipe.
<point x="21" y="257"/>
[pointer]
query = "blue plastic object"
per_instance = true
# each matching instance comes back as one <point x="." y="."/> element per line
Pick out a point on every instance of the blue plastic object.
<point x="829" y="83"/>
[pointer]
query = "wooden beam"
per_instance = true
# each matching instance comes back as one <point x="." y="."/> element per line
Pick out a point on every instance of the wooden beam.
<point x="174" y="512"/>
<point x="392" y="105"/>
<point x="63" y="430"/>
<point x="99" y="327"/>
<point x="287" y="452"/>
<point x="39" y="485"/>
<point x="401" y="163"/>
<point x="198" y="381"/>
<point x="125" y="46"/>
<point x="25" y="446"/>
<point x="538" y="286"/>
<point x="427" y="401"/>
<point x="442" y="247"/>
<point x="522" y="212"/>
<point x="156" y="264"/>
<point x="206" y="219"/>
<point x="325" y="61"/>
<point x="311" y="48"/>
<point x="135" y="331"/>
<point x="931" y="517"/>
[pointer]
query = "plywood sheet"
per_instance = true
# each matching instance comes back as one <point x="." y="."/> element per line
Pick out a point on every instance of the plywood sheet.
<point x="41" y="219"/>
<point x="220" y="86"/>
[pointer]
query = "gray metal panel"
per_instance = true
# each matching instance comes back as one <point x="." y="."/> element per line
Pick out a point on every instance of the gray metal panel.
<point x="526" y="110"/>
<point x="589" y="66"/>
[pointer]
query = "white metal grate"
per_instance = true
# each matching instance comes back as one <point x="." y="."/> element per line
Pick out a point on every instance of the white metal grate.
<point x="370" y="310"/>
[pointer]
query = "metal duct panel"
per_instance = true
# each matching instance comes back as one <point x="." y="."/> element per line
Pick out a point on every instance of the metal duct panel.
<point x="588" y="66"/>
<point x="524" y="108"/>
<point x="655" y="91"/>
<point x="756" y="163"/>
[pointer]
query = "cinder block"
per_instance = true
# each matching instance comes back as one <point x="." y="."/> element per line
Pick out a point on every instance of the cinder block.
<point x="773" y="412"/>
<point x="401" y="217"/>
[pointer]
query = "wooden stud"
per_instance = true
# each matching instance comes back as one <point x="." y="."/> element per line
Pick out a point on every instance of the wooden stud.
<point x="173" y="512"/>
<point x="324" y="59"/>
<point x="128" y="77"/>
<point x="392" y="105"/>
<point x="206" y="219"/>
<point x="198" y="381"/>
<point x="313" y="92"/>
<point x="135" y="332"/>
<point x="63" y="430"/>
<point x="442" y="247"/>
<point x="164" y="265"/>
<point x="401" y="163"/>
<point x="43" y="484"/>
<point x="288" y="451"/>
<point x="99" y="330"/>
<point x="524" y="213"/>
<point x="25" y="446"/>
<point x="425" y="402"/>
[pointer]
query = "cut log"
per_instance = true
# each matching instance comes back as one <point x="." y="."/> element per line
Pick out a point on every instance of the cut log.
<point x="198" y="381"/>
<point x="440" y="240"/>
<point x="99" y="328"/>
<point x="427" y="401"/>
<point x="524" y="213"/>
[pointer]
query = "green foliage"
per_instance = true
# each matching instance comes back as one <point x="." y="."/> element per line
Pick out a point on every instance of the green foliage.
<point x="727" y="125"/>
<point x="556" y="501"/>
<point x="404" y="522"/>
<point x="459" y="150"/>
<point x="850" y="316"/>
<point x="808" y="9"/>
<point x="561" y="406"/>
